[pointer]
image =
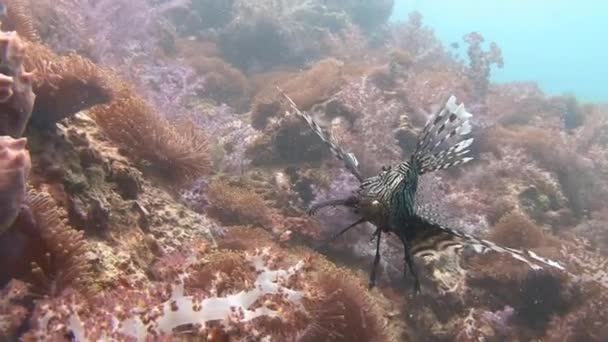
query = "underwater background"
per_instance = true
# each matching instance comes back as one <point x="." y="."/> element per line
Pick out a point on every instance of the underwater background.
<point x="555" y="43"/>
<point x="189" y="170"/>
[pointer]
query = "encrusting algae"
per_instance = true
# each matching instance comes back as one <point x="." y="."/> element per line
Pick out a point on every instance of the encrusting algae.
<point x="155" y="180"/>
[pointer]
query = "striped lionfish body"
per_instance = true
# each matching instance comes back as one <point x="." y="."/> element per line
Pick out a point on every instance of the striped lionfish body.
<point x="388" y="200"/>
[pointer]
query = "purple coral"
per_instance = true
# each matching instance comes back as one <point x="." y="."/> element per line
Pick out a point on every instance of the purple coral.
<point x="15" y="166"/>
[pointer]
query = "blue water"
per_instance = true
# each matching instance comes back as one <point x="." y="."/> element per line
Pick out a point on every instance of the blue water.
<point x="560" y="44"/>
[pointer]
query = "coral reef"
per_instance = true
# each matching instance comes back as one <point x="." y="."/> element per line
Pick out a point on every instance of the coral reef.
<point x="178" y="153"/>
<point x="154" y="186"/>
<point x="260" y="293"/>
<point x="65" y="85"/>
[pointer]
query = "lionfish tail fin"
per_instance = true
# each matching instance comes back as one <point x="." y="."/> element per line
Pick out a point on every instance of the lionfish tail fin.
<point x="445" y="139"/>
<point x="350" y="161"/>
<point x="433" y="237"/>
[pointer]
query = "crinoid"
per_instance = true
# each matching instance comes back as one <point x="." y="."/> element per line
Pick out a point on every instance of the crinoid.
<point x="388" y="200"/>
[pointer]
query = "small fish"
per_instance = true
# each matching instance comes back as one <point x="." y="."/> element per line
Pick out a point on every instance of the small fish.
<point x="455" y="45"/>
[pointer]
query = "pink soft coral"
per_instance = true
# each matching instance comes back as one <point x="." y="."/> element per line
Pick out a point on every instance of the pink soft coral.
<point x="15" y="166"/>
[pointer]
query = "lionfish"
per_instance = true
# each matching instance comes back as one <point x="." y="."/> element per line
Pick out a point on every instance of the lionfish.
<point x="388" y="200"/>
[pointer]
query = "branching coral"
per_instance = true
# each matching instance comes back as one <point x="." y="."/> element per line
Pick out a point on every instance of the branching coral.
<point x="15" y="166"/>
<point x="16" y="96"/>
<point x="177" y="152"/>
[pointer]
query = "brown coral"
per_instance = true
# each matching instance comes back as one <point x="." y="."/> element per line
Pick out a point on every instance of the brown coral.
<point x="517" y="231"/>
<point x="64" y="264"/>
<point x="178" y="153"/>
<point x="18" y="18"/>
<point x="65" y="85"/>
<point x="223" y="82"/>
<point x="43" y="250"/>
<point x="16" y="96"/>
<point x="234" y="205"/>
<point x="15" y="166"/>
<point x="344" y="311"/>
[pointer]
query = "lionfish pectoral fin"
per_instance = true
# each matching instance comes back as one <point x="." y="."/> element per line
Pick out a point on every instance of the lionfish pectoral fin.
<point x="350" y="161"/>
<point x="429" y="237"/>
<point x="372" y="276"/>
<point x="444" y="141"/>
<point x="350" y="202"/>
<point x="409" y="260"/>
<point x="338" y="234"/>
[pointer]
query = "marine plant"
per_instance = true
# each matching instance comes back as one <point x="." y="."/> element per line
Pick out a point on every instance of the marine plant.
<point x="177" y="152"/>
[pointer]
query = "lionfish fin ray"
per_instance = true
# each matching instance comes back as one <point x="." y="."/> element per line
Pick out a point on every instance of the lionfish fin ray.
<point x="348" y="158"/>
<point x="444" y="140"/>
<point x="429" y="237"/>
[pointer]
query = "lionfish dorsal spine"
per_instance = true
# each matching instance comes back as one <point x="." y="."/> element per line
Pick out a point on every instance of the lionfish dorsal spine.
<point x="348" y="158"/>
<point x="444" y="141"/>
